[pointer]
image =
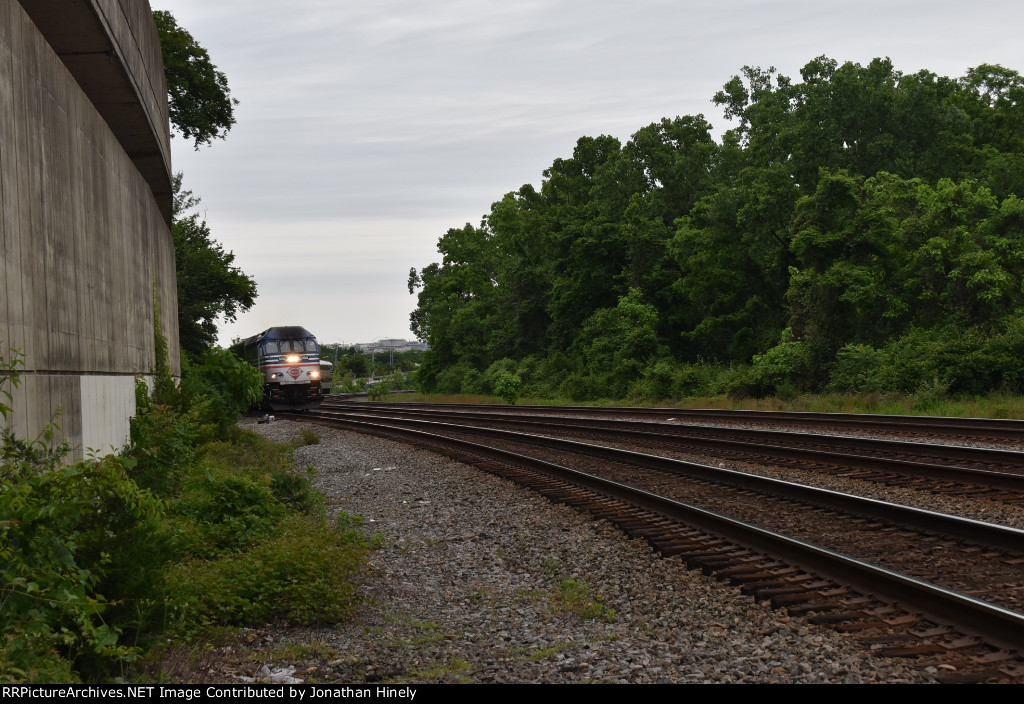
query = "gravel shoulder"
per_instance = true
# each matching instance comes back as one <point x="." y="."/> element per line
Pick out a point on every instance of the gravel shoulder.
<point x="481" y="581"/>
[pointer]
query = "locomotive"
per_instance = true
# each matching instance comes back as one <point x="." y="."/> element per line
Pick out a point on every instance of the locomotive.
<point x="326" y="376"/>
<point x="288" y="357"/>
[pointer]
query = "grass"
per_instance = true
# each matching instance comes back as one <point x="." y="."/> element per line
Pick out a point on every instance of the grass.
<point x="455" y="667"/>
<point x="571" y="596"/>
<point x="992" y="406"/>
<point x="576" y="597"/>
<point x="552" y="567"/>
<point x="191" y="661"/>
<point x="257" y="546"/>
<point x="432" y="635"/>
<point x="545" y="653"/>
<point x="306" y="436"/>
<point x="429" y="625"/>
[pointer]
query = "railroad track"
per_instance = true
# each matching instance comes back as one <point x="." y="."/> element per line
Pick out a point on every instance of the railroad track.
<point x="975" y="631"/>
<point x="979" y="472"/>
<point x="935" y="427"/>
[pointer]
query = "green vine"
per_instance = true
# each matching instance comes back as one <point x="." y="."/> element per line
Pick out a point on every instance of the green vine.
<point x="163" y="378"/>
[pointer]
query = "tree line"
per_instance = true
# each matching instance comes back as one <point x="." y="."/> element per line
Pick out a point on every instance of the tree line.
<point x="201" y="108"/>
<point x="857" y="230"/>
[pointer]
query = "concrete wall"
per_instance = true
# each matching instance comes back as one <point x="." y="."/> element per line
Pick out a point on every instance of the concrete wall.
<point x="84" y="211"/>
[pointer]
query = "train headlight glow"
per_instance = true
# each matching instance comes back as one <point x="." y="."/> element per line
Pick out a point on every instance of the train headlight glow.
<point x="292" y="358"/>
<point x="315" y="375"/>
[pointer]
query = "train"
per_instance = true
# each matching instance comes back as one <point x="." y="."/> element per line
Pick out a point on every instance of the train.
<point x="326" y="376"/>
<point x="288" y="357"/>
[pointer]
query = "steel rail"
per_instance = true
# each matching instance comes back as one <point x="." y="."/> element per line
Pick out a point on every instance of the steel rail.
<point x="657" y="432"/>
<point x="988" y="534"/>
<point x="983" y="455"/>
<point x="998" y="626"/>
<point x="1006" y="428"/>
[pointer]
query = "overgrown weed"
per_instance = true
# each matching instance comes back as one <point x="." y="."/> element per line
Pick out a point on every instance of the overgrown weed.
<point x="198" y="526"/>
<point x="574" y="596"/>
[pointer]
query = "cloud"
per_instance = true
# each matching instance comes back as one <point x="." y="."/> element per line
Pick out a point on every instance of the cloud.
<point x="373" y="127"/>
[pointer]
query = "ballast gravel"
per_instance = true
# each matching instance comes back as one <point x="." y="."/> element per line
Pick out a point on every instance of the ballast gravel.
<point x="481" y="581"/>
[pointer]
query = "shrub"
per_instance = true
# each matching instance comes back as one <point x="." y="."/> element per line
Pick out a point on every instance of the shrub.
<point x="702" y="378"/>
<point x="379" y="390"/>
<point x="228" y="514"/>
<point x="164" y="443"/>
<point x="460" y="378"/>
<point x="81" y="547"/>
<point x="857" y="368"/>
<point x="397" y="380"/>
<point x="84" y="551"/>
<point x="307" y="436"/>
<point x="221" y="388"/>
<point x="508" y="387"/>
<point x="782" y="366"/>
<point x="657" y="383"/>
<point x="308" y="573"/>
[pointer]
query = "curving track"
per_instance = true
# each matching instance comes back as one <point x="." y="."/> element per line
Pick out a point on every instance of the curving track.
<point x="918" y="582"/>
<point x="946" y="469"/>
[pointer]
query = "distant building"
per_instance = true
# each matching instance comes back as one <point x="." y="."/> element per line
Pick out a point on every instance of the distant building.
<point x="395" y="344"/>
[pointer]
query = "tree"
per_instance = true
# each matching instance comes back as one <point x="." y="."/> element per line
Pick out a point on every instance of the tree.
<point x="508" y="388"/>
<point x="208" y="285"/>
<point x="457" y="307"/>
<point x="616" y="345"/>
<point x="852" y="215"/>
<point x="199" y="100"/>
<point x="881" y="256"/>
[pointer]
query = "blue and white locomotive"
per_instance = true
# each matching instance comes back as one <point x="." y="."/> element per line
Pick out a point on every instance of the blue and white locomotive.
<point x="288" y="357"/>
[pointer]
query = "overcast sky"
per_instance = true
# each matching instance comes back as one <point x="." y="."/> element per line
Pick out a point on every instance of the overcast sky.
<point x="366" y="130"/>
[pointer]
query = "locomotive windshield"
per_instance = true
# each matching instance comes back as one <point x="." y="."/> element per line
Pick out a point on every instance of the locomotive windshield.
<point x="286" y="346"/>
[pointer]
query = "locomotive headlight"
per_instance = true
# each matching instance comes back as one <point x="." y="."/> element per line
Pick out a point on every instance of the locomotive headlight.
<point x="273" y="376"/>
<point x="292" y="358"/>
<point x="315" y="375"/>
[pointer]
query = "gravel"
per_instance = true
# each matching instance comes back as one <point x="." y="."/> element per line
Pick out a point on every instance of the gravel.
<point x="481" y="581"/>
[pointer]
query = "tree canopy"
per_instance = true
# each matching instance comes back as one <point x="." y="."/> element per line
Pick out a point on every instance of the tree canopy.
<point x="201" y="109"/>
<point x="209" y="286"/>
<point x="199" y="100"/>
<point x="856" y="218"/>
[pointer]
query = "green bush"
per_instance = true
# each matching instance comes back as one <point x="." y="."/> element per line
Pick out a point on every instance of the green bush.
<point x="227" y="514"/>
<point x="781" y="367"/>
<point x="379" y="390"/>
<point x="221" y="388"/>
<point x="702" y="378"/>
<point x="579" y="387"/>
<point x="489" y="379"/>
<point x="1006" y="351"/>
<point x="508" y="387"/>
<point x="164" y="444"/>
<point x="460" y="378"/>
<point x="307" y="436"/>
<point x="296" y="492"/>
<point x="81" y="547"/>
<point x="85" y="552"/>
<point x="397" y="380"/>
<point x="923" y="357"/>
<point x="658" y="381"/>
<point x="307" y="573"/>
<point x="858" y="368"/>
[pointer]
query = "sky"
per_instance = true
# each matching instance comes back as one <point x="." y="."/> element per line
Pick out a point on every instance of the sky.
<point x="366" y="130"/>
